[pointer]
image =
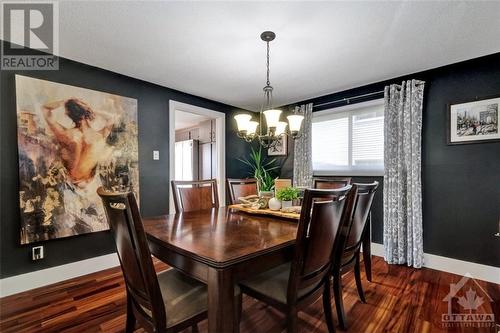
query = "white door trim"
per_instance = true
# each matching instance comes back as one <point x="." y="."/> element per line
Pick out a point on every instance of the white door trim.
<point x="220" y="144"/>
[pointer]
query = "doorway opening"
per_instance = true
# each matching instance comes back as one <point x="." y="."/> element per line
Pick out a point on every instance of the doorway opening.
<point x="197" y="146"/>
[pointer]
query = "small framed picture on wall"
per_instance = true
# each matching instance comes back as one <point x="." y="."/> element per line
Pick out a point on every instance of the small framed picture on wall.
<point x="474" y="122"/>
<point x="281" y="148"/>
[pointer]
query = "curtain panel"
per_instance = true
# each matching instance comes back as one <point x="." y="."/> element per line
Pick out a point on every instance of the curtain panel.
<point x="302" y="159"/>
<point x="403" y="241"/>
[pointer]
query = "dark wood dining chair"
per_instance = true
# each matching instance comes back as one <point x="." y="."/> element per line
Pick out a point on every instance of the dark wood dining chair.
<point x="195" y="195"/>
<point x="238" y="188"/>
<point x="331" y="182"/>
<point x="348" y="257"/>
<point x="280" y="183"/>
<point x="336" y="182"/>
<point x="167" y="302"/>
<point x="293" y="286"/>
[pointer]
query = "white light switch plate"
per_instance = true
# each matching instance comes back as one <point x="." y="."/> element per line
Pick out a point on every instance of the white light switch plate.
<point x="156" y="155"/>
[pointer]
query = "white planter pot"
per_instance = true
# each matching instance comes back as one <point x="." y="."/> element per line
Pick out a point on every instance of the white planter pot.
<point x="274" y="204"/>
<point x="286" y="204"/>
<point x="264" y="198"/>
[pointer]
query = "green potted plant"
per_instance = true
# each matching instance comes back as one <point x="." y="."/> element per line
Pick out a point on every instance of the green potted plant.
<point x="286" y="195"/>
<point x="262" y="170"/>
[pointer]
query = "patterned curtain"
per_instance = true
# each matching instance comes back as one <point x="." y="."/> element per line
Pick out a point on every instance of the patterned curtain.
<point x="402" y="176"/>
<point x="302" y="161"/>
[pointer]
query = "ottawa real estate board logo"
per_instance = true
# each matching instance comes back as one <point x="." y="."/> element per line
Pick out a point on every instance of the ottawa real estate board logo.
<point x="467" y="302"/>
<point x="30" y="31"/>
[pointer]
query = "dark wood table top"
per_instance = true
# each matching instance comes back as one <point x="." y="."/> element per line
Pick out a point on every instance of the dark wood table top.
<point x="220" y="237"/>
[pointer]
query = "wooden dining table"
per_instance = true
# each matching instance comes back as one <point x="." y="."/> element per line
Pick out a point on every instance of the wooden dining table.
<point x="220" y="247"/>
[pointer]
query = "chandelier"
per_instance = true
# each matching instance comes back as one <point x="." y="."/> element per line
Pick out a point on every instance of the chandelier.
<point x="276" y="129"/>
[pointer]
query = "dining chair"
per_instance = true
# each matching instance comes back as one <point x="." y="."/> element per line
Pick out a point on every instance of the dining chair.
<point x="293" y="286"/>
<point x="167" y="302"/>
<point x="331" y="182"/>
<point x="238" y="188"/>
<point x="195" y="195"/>
<point x="348" y="257"/>
<point x="336" y="182"/>
<point x="280" y="183"/>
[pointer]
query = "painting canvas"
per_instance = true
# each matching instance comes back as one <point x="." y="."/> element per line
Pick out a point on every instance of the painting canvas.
<point x="474" y="122"/>
<point x="71" y="141"/>
<point x="280" y="149"/>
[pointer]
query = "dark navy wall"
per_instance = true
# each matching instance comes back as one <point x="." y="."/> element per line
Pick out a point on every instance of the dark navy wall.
<point x="461" y="183"/>
<point x="153" y="109"/>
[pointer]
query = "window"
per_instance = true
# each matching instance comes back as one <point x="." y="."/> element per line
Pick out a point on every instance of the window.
<point x="349" y="140"/>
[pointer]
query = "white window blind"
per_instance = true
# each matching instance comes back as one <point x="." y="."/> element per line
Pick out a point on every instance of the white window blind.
<point x="349" y="140"/>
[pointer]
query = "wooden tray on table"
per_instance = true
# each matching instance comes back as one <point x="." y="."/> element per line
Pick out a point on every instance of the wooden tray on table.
<point x="277" y="213"/>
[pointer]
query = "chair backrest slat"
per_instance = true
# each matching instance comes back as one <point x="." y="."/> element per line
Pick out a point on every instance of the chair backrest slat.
<point x="238" y="188"/>
<point x="323" y="215"/>
<point x="195" y="195"/>
<point x="133" y="252"/>
<point x="331" y="182"/>
<point x="324" y="223"/>
<point x="281" y="183"/>
<point x="364" y="200"/>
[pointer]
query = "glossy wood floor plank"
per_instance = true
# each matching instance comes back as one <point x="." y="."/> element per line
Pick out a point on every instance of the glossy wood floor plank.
<point x="399" y="299"/>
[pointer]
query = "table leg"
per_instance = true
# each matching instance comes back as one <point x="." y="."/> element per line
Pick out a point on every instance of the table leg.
<point x="221" y="307"/>
<point x="367" y="249"/>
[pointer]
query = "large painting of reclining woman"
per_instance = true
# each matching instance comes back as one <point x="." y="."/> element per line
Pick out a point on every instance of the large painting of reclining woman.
<point x="71" y="141"/>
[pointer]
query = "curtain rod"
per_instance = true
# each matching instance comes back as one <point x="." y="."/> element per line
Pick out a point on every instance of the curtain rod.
<point x="348" y="99"/>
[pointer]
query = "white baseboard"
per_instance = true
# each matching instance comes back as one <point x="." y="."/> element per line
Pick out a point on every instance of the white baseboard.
<point x="450" y="265"/>
<point x="32" y="280"/>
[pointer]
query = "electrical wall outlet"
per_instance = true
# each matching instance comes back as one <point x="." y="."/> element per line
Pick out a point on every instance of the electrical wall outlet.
<point x="37" y="253"/>
<point x="156" y="155"/>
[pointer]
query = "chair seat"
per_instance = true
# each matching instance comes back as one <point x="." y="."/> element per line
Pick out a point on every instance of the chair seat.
<point x="274" y="283"/>
<point x="346" y="258"/>
<point x="183" y="296"/>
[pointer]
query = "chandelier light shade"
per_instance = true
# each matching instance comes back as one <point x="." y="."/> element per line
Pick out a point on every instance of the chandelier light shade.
<point x="252" y="127"/>
<point x="247" y="128"/>
<point x="272" y="117"/>
<point x="295" y="122"/>
<point x="242" y="121"/>
<point x="281" y="128"/>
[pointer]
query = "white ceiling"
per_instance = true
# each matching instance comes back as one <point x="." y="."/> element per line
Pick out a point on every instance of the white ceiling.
<point x="213" y="49"/>
<point x="186" y="119"/>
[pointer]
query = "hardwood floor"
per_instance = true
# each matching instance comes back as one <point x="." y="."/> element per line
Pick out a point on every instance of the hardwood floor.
<point x="399" y="299"/>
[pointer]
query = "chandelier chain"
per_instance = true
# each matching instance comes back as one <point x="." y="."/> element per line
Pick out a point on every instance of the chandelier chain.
<point x="268" y="82"/>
